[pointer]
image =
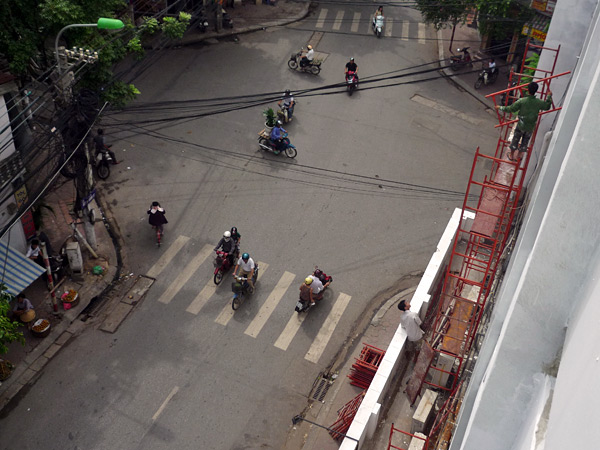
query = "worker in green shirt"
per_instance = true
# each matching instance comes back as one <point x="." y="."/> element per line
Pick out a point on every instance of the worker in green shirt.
<point x="528" y="109"/>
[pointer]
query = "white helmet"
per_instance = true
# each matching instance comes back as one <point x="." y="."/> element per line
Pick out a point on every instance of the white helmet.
<point x="227" y="236"/>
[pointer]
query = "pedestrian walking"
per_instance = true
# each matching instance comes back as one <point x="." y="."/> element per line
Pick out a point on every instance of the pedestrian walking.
<point x="528" y="109"/>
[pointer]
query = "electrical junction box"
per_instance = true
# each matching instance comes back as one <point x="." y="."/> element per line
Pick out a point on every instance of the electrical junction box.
<point x="75" y="259"/>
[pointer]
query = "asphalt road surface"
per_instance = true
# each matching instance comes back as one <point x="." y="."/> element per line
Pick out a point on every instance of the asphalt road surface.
<point x="376" y="178"/>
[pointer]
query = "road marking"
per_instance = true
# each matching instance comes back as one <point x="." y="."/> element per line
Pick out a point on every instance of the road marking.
<point x="318" y="346"/>
<point x="290" y="330"/>
<point x="422" y="33"/>
<point x="321" y="19"/>
<point x="164" y="404"/>
<point x="184" y="276"/>
<point x="355" y="22"/>
<point x="227" y="312"/>
<point x="337" y="23"/>
<point x="388" y="27"/>
<point x="404" y="32"/>
<point x="167" y="256"/>
<point x="269" y="305"/>
<point x="202" y="297"/>
<point x="448" y="111"/>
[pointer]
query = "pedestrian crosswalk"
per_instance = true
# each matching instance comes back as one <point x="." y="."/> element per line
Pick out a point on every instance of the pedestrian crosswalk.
<point x="280" y="292"/>
<point x="360" y="23"/>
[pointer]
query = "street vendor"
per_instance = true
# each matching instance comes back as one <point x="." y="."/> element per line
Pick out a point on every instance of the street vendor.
<point x="23" y="309"/>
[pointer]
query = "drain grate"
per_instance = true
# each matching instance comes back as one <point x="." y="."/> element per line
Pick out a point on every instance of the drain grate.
<point x="322" y="388"/>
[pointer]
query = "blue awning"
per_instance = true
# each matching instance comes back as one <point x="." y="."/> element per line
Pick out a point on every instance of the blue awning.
<point x="17" y="271"/>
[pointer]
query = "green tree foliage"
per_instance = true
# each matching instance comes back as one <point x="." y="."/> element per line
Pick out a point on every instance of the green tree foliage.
<point x="28" y="26"/>
<point x="9" y="330"/>
<point x="502" y="18"/>
<point x="442" y="13"/>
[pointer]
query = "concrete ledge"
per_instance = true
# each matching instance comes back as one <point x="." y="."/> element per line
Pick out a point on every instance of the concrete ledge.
<point x="367" y="416"/>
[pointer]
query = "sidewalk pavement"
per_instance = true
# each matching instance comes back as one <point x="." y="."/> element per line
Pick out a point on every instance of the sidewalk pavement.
<point x="249" y="17"/>
<point x="30" y="359"/>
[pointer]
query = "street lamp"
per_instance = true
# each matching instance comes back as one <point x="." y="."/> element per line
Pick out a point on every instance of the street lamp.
<point x="299" y="418"/>
<point x="103" y="23"/>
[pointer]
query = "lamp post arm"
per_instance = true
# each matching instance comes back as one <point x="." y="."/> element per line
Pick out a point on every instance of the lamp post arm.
<point x="299" y="418"/>
<point x="74" y="25"/>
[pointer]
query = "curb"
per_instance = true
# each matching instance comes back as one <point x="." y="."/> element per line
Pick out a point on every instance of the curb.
<point x="454" y="77"/>
<point x="30" y="368"/>
<point x="244" y="30"/>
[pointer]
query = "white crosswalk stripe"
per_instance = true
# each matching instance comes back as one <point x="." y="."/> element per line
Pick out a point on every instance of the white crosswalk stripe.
<point x="318" y="346"/>
<point x="422" y="33"/>
<point x="269" y="305"/>
<point x="167" y="256"/>
<point x="290" y="330"/>
<point x="227" y="312"/>
<point x="321" y="19"/>
<point x="278" y="292"/>
<point x="203" y="296"/>
<point x="355" y="22"/>
<point x="337" y="23"/>
<point x="389" y="25"/>
<point x="184" y="276"/>
<point x="403" y="27"/>
<point x="404" y="32"/>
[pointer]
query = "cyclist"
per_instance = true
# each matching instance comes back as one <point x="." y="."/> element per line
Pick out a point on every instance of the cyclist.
<point x="157" y="217"/>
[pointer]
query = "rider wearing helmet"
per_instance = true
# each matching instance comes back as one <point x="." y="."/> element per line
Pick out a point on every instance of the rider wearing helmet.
<point x="277" y="137"/>
<point x="352" y="67"/>
<point x="306" y="292"/>
<point x="287" y="102"/>
<point x="246" y="266"/>
<point x="228" y="245"/>
<point x="310" y="55"/>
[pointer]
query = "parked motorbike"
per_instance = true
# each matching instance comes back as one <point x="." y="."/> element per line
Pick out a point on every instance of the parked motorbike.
<point x="202" y="21"/>
<point x="351" y="82"/>
<point x="508" y="98"/>
<point x="313" y="66"/>
<point x="241" y="288"/>
<point x="222" y="266"/>
<point x="377" y="25"/>
<point x="227" y="20"/>
<point x="486" y="78"/>
<point x="103" y="163"/>
<point x="460" y="61"/>
<point x="303" y="306"/>
<point x="265" y="142"/>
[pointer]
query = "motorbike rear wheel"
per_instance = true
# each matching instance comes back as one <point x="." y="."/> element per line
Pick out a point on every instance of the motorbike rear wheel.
<point x="291" y="151"/>
<point x="479" y="82"/>
<point x="262" y="141"/>
<point x="315" y="70"/>
<point x="293" y="64"/>
<point x="103" y="171"/>
<point x="218" y="277"/>
<point x="454" y="65"/>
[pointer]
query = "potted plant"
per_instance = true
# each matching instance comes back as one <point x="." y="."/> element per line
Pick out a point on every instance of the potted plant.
<point x="271" y="119"/>
<point x="9" y="332"/>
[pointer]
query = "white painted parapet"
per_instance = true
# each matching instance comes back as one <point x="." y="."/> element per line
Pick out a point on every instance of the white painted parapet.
<point x="365" y="421"/>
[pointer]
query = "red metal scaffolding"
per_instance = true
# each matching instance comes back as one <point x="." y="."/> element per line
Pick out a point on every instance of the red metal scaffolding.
<point x="477" y="249"/>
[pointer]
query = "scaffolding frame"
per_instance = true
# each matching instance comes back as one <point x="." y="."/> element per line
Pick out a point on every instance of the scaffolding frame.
<point x="477" y="250"/>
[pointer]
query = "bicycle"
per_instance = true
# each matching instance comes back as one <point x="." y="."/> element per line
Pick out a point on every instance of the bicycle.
<point x="159" y="233"/>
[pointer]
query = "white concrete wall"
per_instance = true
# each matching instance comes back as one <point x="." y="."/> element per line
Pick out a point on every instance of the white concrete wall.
<point x="548" y="271"/>
<point x="367" y="417"/>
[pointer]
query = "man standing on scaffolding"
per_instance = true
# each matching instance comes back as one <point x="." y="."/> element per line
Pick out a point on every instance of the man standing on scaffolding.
<point x="528" y="109"/>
